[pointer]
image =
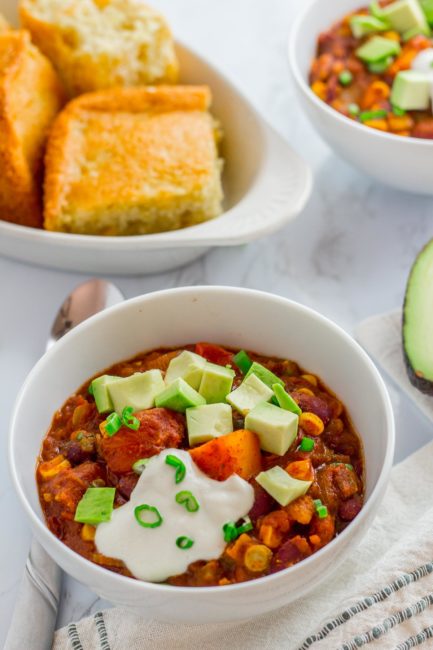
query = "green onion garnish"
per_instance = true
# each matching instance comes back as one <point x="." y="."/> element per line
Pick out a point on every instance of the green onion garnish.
<point x="90" y="388"/>
<point x="232" y="532"/>
<point x="243" y="362"/>
<point x="322" y="511"/>
<point x="184" y="543"/>
<point x="354" y="110"/>
<point x="112" y="424"/>
<point x="139" y="465"/>
<point x="345" y="78"/>
<point x="349" y="466"/>
<point x="187" y="499"/>
<point x="130" y="420"/>
<point x="400" y="112"/>
<point x="306" y="444"/>
<point x="175" y="462"/>
<point x="366" y="116"/>
<point x="146" y="508"/>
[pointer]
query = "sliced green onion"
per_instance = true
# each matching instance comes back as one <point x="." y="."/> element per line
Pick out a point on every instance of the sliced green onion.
<point x="322" y="512"/>
<point x="285" y="401"/>
<point x="345" y="78"/>
<point x="230" y="531"/>
<point x="366" y="116"/>
<point x="80" y="436"/>
<point x="307" y="444"/>
<point x="175" y="462"/>
<point x="90" y="388"/>
<point x="354" y="110"/>
<point x="184" y="543"/>
<point x="112" y="424"/>
<point x="130" y="420"/>
<point x="400" y="112"/>
<point x="139" y="465"/>
<point x="151" y="509"/>
<point x="245" y="527"/>
<point x="349" y="467"/>
<point x="318" y="503"/>
<point x="243" y="362"/>
<point x="187" y="499"/>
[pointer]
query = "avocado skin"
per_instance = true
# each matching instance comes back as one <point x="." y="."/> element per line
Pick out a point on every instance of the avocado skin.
<point x="421" y="383"/>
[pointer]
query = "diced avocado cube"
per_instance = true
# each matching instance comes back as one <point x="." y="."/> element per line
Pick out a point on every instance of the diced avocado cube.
<point x="427" y="7"/>
<point x="275" y="427"/>
<point x="179" y="396"/>
<point x="188" y="366"/>
<point x="216" y="382"/>
<point x="415" y="31"/>
<point x="265" y="375"/>
<point x="411" y="91"/>
<point x="285" y="401"/>
<point x="376" y="10"/>
<point x="377" y="48"/>
<point x="138" y="390"/>
<point x="207" y="422"/>
<point x="405" y="14"/>
<point x="99" y="390"/>
<point x="363" y="25"/>
<point x="96" y="506"/>
<point x="251" y="392"/>
<point x="281" y="486"/>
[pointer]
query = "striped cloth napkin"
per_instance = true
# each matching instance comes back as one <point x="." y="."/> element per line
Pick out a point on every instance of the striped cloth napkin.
<point x="380" y="598"/>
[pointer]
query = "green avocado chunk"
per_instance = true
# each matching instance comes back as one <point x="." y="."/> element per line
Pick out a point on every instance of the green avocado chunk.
<point x="427" y="7"/>
<point x="285" y="401"/>
<point x="411" y="91"/>
<point x="187" y="365"/>
<point x="275" y="427"/>
<point x="417" y="321"/>
<point x="265" y="375"/>
<point x="377" y="49"/>
<point x="281" y="486"/>
<point x="207" y="422"/>
<point x="96" y="506"/>
<point x="178" y="397"/>
<point x="405" y="14"/>
<point x="251" y="392"/>
<point x="99" y="390"/>
<point x="364" y="25"/>
<point x="137" y="390"/>
<point x="216" y="383"/>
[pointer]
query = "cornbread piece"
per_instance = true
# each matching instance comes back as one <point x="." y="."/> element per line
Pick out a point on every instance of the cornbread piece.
<point x="96" y="44"/>
<point x="30" y="97"/>
<point x="131" y="161"/>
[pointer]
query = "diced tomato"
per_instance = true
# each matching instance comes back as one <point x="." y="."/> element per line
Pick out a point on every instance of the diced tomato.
<point x="214" y="353"/>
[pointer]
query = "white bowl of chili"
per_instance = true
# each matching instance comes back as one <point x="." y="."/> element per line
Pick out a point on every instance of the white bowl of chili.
<point x="236" y="318"/>
<point x="404" y="163"/>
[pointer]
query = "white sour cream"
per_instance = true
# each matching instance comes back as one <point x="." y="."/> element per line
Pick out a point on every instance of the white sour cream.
<point x="423" y="62"/>
<point x="151" y="553"/>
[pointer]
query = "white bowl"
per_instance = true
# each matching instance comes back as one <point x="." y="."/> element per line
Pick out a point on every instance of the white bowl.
<point x="265" y="182"/>
<point x="403" y="163"/>
<point x="238" y="318"/>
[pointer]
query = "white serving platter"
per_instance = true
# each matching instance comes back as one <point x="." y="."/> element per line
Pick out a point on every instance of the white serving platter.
<point x="266" y="185"/>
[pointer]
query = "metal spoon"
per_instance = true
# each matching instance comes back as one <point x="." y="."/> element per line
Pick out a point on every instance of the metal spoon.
<point x="35" y="613"/>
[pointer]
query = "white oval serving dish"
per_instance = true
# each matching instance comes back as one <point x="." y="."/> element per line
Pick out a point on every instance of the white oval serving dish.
<point x="235" y="317"/>
<point x="266" y="184"/>
<point x="400" y="162"/>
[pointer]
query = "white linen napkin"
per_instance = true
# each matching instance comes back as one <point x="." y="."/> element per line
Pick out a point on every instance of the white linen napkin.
<point x="385" y="588"/>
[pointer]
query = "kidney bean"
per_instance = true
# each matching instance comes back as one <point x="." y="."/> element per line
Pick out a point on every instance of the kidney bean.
<point x="263" y="503"/>
<point x="350" y="508"/>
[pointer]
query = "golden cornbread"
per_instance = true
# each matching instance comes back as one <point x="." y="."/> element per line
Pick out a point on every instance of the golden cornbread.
<point x="96" y="44"/>
<point x="30" y="97"/>
<point x="132" y="161"/>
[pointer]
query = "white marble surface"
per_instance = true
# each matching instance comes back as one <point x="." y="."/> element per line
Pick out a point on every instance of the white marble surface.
<point x="347" y="255"/>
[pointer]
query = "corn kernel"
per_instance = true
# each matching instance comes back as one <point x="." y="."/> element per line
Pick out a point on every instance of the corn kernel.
<point x="88" y="533"/>
<point x="380" y="125"/>
<point x="392" y="36"/>
<point x="237" y="550"/>
<point x="397" y="123"/>
<point x="51" y="468"/>
<point x="257" y="558"/>
<point x="305" y="391"/>
<point x="319" y="89"/>
<point x="315" y="540"/>
<point x="224" y="581"/>
<point x="311" y="424"/>
<point x="301" y="469"/>
<point x="47" y="497"/>
<point x="310" y="378"/>
<point x="270" y="536"/>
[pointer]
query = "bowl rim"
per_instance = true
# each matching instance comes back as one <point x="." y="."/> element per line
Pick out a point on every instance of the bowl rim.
<point x="142" y="586"/>
<point x="320" y="104"/>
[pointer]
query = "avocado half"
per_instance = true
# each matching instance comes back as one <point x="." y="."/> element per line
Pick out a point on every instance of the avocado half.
<point x="418" y="321"/>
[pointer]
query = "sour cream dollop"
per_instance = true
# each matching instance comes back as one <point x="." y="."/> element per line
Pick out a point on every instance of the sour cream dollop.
<point x="151" y="553"/>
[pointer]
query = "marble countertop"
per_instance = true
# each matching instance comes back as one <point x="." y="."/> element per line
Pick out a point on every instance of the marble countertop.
<point x="347" y="255"/>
